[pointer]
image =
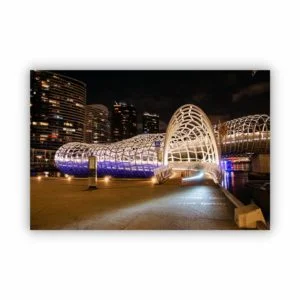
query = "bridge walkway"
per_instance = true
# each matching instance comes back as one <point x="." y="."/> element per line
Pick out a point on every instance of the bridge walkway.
<point x="129" y="204"/>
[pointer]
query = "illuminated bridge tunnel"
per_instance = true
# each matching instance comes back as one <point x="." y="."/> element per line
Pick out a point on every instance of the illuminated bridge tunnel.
<point x="190" y="141"/>
<point x="249" y="134"/>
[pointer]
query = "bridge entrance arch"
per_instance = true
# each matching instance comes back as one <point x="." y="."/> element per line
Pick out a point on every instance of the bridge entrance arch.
<point x="190" y="141"/>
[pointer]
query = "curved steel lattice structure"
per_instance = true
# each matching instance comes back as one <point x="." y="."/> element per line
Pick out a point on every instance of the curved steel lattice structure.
<point x="190" y="137"/>
<point x="250" y="134"/>
<point x="190" y="141"/>
<point x="134" y="157"/>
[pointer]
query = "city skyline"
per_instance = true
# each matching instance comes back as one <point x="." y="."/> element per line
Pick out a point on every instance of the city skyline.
<point x="221" y="93"/>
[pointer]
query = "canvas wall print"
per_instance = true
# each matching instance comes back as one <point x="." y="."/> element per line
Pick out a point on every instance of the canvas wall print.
<point x="150" y="149"/>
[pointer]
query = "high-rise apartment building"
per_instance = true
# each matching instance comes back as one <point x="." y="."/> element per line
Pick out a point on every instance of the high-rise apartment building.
<point x="124" y="121"/>
<point x="57" y="114"/>
<point x="150" y="123"/>
<point x="97" y="129"/>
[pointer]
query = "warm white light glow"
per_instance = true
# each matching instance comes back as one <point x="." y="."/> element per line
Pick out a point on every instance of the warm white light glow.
<point x="173" y="175"/>
<point x="106" y="179"/>
<point x="39" y="177"/>
<point x="153" y="180"/>
<point x="192" y="178"/>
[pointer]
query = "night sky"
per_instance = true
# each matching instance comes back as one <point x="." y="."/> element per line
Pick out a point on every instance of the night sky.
<point x="230" y="93"/>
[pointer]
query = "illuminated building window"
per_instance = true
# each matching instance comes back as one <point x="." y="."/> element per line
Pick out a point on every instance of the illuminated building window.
<point x="69" y="129"/>
<point x="45" y="85"/>
<point x="54" y="101"/>
<point x="68" y="124"/>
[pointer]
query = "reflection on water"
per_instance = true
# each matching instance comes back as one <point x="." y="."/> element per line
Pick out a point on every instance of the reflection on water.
<point x="235" y="177"/>
<point x="235" y="183"/>
<point x="235" y="180"/>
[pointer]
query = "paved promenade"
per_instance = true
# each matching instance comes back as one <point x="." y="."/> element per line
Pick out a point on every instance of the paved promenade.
<point x="57" y="203"/>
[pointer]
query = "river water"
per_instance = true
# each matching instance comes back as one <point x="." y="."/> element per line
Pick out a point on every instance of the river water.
<point x="235" y="180"/>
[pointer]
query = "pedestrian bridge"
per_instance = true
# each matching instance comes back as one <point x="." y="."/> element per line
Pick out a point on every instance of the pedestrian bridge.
<point x="191" y="142"/>
<point x="249" y="134"/>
